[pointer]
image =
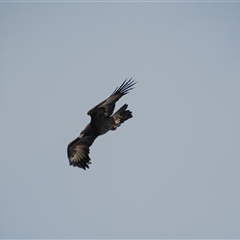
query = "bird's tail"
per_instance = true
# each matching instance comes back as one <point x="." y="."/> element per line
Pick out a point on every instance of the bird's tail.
<point x="121" y="116"/>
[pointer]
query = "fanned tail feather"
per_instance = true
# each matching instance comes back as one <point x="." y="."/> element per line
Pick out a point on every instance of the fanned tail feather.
<point x="121" y="116"/>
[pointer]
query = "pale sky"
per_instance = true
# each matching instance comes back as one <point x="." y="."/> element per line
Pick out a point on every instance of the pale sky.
<point x="172" y="171"/>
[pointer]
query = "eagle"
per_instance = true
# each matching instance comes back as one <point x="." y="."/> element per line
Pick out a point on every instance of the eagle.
<point x="102" y="121"/>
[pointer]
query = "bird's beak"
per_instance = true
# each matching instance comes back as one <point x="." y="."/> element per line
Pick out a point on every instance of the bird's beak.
<point x="81" y="135"/>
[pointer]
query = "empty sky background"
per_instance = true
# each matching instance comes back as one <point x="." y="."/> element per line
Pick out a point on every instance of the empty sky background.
<point x="172" y="171"/>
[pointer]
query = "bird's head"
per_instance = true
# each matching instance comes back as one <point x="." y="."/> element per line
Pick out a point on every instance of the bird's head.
<point x="88" y="131"/>
<point x="81" y="135"/>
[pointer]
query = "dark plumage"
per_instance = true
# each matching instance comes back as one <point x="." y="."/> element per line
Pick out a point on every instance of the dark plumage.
<point x="102" y="120"/>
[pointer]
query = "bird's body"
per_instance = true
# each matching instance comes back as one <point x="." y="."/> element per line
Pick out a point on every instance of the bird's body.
<point x="102" y="124"/>
<point x="102" y="121"/>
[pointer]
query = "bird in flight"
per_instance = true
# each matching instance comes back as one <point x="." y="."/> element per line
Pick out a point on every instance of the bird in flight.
<point x="102" y="120"/>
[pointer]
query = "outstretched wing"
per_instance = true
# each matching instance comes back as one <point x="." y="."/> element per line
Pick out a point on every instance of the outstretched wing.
<point x="78" y="152"/>
<point x="107" y="106"/>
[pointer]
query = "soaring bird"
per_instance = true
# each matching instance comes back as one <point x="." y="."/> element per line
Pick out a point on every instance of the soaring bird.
<point x="102" y="120"/>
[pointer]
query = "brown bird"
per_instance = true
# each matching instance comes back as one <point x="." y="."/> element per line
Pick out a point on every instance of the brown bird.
<point x="102" y="120"/>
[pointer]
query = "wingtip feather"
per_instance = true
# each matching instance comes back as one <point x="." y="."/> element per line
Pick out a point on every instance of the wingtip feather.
<point x="125" y="87"/>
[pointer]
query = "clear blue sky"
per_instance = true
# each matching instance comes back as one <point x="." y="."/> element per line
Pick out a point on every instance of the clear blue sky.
<point x="172" y="171"/>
